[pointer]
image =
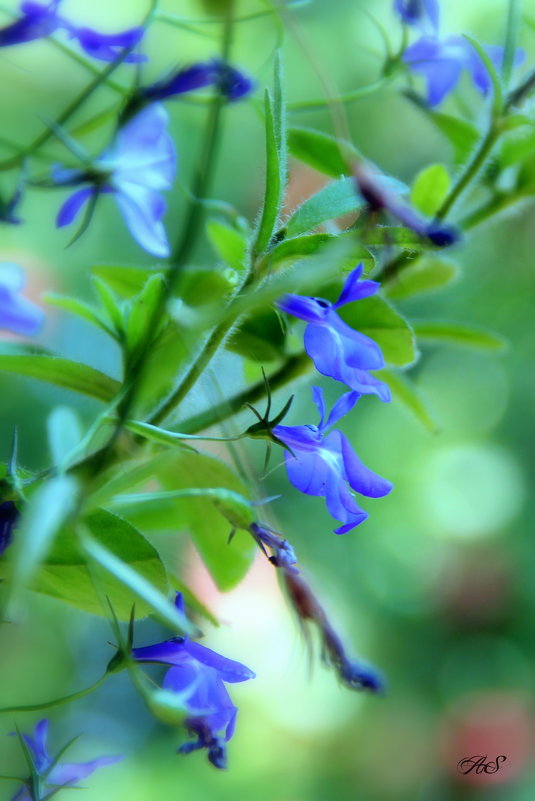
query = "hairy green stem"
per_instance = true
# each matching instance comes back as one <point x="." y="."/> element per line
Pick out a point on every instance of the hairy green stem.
<point x="472" y="169"/>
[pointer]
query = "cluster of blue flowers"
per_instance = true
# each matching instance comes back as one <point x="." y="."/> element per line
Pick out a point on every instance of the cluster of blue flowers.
<point x="140" y="163"/>
<point x="442" y="60"/>
<point x="317" y="462"/>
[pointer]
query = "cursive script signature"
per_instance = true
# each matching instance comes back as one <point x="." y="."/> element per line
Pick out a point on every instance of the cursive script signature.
<point x="479" y="764"/>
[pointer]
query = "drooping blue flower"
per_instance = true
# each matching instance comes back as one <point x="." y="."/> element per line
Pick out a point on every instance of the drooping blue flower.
<point x="62" y="774"/>
<point x="8" y="517"/>
<point x="198" y="674"/>
<point x="231" y="82"/>
<point x="283" y="554"/>
<point x="337" y="350"/>
<point x="419" y="12"/>
<point x="16" y="313"/>
<point x="441" y="62"/>
<point x="139" y="164"/>
<point x="38" y="21"/>
<point x="325" y="465"/>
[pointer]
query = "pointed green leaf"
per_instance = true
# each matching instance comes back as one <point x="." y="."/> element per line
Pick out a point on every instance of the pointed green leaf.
<point x="321" y="151"/>
<point x="229" y="243"/>
<point x="122" y="278"/>
<point x="275" y="165"/>
<point x="78" y="307"/>
<point x="64" y="373"/>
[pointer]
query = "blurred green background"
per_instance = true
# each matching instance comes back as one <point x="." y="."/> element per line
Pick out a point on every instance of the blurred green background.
<point x="436" y="587"/>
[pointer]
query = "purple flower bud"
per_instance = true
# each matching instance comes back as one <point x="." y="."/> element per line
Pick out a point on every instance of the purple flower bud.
<point x="325" y="465"/>
<point x="283" y="553"/>
<point x="139" y="164"/>
<point x="16" y="313"/>
<point x="231" y="82"/>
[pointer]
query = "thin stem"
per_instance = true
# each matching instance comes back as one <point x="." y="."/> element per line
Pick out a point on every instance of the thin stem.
<point x="471" y="171"/>
<point x="514" y="15"/>
<point x="57" y="701"/>
<point x="293" y="368"/>
<point x="346" y="97"/>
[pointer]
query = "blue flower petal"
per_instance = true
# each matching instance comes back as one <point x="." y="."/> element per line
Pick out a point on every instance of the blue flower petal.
<point x="228" y="669"/>
<point x="73" y="205"/>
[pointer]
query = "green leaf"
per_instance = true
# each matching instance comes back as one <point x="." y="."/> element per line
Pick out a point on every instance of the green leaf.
<point x="259" y="338"/>
<point x="461" y="134"/>
<point x="233" y="506"/>
<point x="430" y="189"/>
<point x="321" y="151"/>
<point x="64" y="373"/>
<point x="200" y="286"/>
<point x="78" y="307"/>
<point x="298" y="247"/>
<point x="517" y="149"/>
<point x="66" y="574"/>
<point x="425" y="275"/>
<point x="110" y="304"/>
<point x="44" y="515"/>
<point x="378" y="320"/>
<point x="275" y="165"/>
<point x="228" y="243"/>
<point x="206" y="524"/>
<point x="404" y="391"/>
<point x="140" y="313"/>
<point x="332" y="201"/>
<point x="123" y="279"/>
<point x="135" y="569"/>
<point x="64" y="432"/>
<point x="469" y="335"/>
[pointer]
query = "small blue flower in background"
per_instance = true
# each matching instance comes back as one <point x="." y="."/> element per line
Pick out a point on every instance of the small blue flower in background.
<point x="198" y="674"/>
<point x="337" y="350"/>
<point x="16" y="313"/>
<point x="8" y="517"/>
<point x="140" y="163"/>
<point x="232" y="83"/>
<point x="61" y="774"/>
<point x="419" y="12"/>
<point x="325" y="465"/>
<point x="38" y="21"/>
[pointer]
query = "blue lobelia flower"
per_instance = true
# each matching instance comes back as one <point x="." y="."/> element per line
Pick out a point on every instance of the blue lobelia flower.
<point x="420" y="13"/>
<point x="61" y="774"/>
<point x="325" y="465"/>
<point x="337" y="350"/>
<point x="8" y="517"/>
<point x="38" y="21"/>
<point x="16" y="313"/>
<point x="198" y="674"/>
<point x="442" y="61"/>
<point x="231" y="82"/>
<point x="138" y="165"/>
